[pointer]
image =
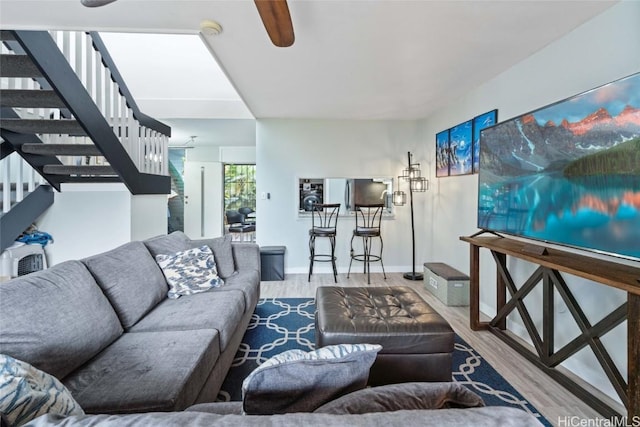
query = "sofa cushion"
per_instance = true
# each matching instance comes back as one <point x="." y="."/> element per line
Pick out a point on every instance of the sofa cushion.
<point x="221" y="311"/>
<point x="27" y="393"/>
<point x="56" y="319"/>
<point x="167" y="244"/>
<point x="396" y="397"/>
<point x="130" y="278"/>
<point x="151" y="371"/>
<point x="246" y="256"/>
<point x="189" y="272"/>
<point x="222" y="252"/>
<point x="248" y="282"/>
<point x="221" y="408"/>
<point x="296" y="381"/>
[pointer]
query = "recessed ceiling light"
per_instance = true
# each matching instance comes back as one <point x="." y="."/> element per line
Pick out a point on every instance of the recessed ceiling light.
<point x="210" y="28"/>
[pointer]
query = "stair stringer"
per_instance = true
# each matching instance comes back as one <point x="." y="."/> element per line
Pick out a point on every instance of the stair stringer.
<point x="23" y="214"/>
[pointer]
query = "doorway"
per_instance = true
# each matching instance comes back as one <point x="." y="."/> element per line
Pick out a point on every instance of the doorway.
<point x="240" y="192"/>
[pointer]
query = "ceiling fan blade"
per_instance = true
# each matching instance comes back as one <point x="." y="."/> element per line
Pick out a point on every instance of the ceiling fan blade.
<point x="277" y="21"/>
<point x="96" y="3"/>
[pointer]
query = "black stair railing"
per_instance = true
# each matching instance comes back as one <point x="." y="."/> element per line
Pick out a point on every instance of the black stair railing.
<point x="145" y="120"/>
<point x="55" y="68"/>
<point x="133" y="143"/>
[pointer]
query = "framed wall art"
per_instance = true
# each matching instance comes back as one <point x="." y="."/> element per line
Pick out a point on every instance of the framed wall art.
<point x="442" y="153"/>
<point x="461" y="149"/>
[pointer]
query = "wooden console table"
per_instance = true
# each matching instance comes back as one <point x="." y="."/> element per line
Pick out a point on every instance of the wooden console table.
<point x="551" y="263"/>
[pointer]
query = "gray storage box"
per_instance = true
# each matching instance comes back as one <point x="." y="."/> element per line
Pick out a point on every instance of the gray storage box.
<point x="272" y="263"/>
<point x="448" y="284"/>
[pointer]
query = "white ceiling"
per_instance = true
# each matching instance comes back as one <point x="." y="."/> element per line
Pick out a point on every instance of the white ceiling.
<point x="188" y="92"/>
<point x="176" y="77"/>
<point x="376" y="59"/>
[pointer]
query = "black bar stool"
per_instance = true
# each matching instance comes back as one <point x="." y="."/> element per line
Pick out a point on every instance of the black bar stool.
<point x="324" y="220"/>
<point x="368" y="220"/>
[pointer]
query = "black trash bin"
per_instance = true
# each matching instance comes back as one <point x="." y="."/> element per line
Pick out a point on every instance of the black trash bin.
<point x="272" y="263"/>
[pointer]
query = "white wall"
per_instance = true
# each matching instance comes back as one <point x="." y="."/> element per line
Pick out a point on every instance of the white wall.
<point x="86" y="219"/>
<point x="603" y="49"/>
<point x="291" y="149"/>
<point x="149" y="215"/>
<point x="238" y="155"/>
<point x="203" y="154"/>
<point x="224" y="154"/>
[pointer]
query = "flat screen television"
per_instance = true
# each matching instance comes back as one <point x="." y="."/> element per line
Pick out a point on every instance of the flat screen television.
<point x="568" y="173"/>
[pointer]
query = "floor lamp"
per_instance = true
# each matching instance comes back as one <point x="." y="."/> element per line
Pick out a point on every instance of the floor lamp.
<point x="417" y="184"/>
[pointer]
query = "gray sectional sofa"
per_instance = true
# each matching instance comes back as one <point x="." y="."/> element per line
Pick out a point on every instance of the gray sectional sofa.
<point x="407" y="404"/>
<point x="104" y="326"/>
<point x="473" y="417"/>
<point x="131" y="356"/>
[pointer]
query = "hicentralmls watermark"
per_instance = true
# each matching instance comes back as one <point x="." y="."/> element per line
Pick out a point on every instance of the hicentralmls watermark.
<point x="575" y="421"/>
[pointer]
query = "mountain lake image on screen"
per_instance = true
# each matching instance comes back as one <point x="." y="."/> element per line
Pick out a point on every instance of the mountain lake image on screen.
<point x="568" y="173"/>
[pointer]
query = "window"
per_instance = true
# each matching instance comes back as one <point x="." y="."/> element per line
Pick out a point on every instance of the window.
<point x="239" y="186"/>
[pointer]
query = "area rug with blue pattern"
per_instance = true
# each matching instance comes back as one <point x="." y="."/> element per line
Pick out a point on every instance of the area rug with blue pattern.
<point x="281" y="324"/>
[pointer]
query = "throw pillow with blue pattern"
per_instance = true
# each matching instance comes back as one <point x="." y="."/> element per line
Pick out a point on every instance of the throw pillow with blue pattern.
<point x="27" y="392"/>
<point x="298" y="381"/>
<point x="190" y="272"/>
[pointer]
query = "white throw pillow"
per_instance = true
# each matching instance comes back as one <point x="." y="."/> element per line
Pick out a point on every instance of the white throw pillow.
<point x="189" y="272"/>
<point x="27" y="392"/>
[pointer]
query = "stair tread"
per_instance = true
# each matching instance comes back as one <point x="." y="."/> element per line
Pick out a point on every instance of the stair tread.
<point x="91" y="179"/>
<point x="26" y="98"/>
<point x="78" y="170"/>
<point x="6" y="36"/>
<point x="44" y="126"/>
<point x="18" y="66"/>
<point x="61" y="149"/>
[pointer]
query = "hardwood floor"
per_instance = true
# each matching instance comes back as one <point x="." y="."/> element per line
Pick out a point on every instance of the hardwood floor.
<point x="552" y="400"/>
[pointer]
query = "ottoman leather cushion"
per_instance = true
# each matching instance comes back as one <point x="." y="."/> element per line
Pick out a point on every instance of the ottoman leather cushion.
<point x="395" y="317"/>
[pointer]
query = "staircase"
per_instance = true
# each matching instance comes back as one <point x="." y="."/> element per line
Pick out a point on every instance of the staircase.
<point x="67" y="117"/>
<point x="176" y="203"/>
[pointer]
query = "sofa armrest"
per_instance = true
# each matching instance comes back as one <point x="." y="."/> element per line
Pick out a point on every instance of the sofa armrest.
<point x="246" y="256"/>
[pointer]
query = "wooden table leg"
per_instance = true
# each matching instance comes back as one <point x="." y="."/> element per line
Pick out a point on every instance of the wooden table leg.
<point x="633" y="346"/>
<point x="501" y="289"/>
<point x="474" y="289"/>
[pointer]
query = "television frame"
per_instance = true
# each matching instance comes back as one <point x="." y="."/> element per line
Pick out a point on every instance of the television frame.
<point x="481" y="122"/>
<point x="594" y="193"/>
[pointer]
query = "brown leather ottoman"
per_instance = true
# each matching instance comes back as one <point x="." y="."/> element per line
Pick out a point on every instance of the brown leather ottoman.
<point x="417" y="342"/>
